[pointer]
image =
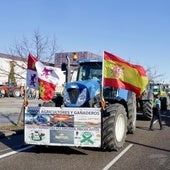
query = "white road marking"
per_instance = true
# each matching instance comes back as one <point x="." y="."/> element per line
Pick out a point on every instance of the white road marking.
<point x="8" y="149"/>
<point x="105" y="168"/>
<point x="117" y="157"/>
<point x="14" y="152"/>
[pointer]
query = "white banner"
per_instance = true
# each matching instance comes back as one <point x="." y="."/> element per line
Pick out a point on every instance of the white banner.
<point x="63" y="126"/>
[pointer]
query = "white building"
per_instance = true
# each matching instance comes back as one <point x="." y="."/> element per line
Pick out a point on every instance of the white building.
<point x="20" y="70"/>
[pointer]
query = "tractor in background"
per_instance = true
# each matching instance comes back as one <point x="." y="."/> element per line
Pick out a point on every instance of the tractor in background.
<point x="10" y="90"/>
<point x="161" y="89"/>
<point x="145" y="102"/>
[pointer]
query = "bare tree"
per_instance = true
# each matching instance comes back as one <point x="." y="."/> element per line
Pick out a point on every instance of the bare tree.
<point x="42" y="47"/>
<point x="153" y="75"/>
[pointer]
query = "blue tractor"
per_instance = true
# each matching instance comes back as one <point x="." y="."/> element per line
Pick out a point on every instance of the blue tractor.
<point x="118" y="106"/>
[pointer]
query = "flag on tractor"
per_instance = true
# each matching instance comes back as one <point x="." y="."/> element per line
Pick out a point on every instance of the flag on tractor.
<point x="43" y="77"/>
<point x="119" y="73"/>
<point x="32" y="77"/>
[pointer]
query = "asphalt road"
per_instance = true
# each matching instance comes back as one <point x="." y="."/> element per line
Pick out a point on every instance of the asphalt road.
<point x="149" y="150"/>
<point x="10" y="109"/>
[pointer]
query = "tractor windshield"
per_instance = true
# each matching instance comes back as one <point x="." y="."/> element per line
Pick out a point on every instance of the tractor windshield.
<point x="90" y="71"/>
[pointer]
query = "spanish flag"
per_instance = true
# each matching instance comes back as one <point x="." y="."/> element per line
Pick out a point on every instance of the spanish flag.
<point x="121" y="74"/>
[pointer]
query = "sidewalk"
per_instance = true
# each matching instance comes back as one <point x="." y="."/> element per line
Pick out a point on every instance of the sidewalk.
<point x="10" y="109"/>
<point x="7" y="133"/>
<point x="8" y="124"/>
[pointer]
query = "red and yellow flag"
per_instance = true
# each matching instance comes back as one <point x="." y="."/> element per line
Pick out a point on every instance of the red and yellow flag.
<point x="32" y="77"/>
<point x="42" y="78"/>
<point x="121" y="74"/>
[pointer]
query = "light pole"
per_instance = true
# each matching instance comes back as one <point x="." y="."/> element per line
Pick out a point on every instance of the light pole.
<point x="68" y="70"/>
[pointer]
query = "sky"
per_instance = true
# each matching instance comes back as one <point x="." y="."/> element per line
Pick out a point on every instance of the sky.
<point x="135" y="30"/>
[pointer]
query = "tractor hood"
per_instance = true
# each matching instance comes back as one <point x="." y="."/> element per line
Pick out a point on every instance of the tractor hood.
<point x="80" y="92"/>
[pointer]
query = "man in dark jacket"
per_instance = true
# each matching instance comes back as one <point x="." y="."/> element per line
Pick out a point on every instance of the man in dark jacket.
<point x="156" y="112"/>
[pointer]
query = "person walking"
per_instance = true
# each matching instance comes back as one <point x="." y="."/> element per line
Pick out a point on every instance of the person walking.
<point x="156" y="113"/>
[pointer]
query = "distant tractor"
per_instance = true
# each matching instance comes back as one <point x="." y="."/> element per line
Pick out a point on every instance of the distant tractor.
<point x="160" y="88"/>
<point x="145" y="102"/>
<point x="10" y="90"/>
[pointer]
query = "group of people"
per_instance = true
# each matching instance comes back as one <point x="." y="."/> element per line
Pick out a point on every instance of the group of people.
<point x="31" y="93"/>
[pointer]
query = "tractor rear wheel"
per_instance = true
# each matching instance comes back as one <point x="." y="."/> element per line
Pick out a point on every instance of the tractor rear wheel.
<point x="16" y="93"/>
<point x="114" y="127"/>
<point x="131" y="112"/>
<point x="147" y="109"/>
<point x="164" y="103"/>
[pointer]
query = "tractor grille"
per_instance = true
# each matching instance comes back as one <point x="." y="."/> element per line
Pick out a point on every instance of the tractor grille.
<point x="74" y="94"/>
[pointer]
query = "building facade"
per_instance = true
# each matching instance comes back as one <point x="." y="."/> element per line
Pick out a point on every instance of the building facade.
<point x="61" y="57"/>
<point x="16" y="67"/>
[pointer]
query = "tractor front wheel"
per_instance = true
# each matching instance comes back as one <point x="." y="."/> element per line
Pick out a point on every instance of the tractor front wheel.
<point x="131" y="113"/>
<point x="2" y="93"/>
<point x="16" y="93"/>
<point x="114" y="127"/>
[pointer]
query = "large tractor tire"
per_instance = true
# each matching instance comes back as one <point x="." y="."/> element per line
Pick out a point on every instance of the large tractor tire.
<point x="131" y="103"/>
<point x="114" y="127"/>
<point x="147" y="109"/>
<point x="164" y="103"/>
<point x="16" y="93"/>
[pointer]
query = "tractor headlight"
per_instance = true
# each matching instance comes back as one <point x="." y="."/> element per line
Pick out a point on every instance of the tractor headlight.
<point x="66" y="98"/>
<point x="82" y="97"/>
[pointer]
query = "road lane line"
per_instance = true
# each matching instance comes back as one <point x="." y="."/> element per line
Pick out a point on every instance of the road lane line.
<point x="12" y="148"/>
<point x="17" y="151"/>
<point x="117" y="157"/>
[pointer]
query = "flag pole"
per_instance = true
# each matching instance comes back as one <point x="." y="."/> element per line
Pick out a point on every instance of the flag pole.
<point x="24" y="104"/>
<point x="102" y="73"/>
<point x="103" y="103"/>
